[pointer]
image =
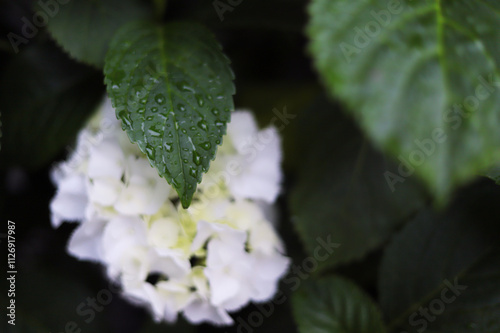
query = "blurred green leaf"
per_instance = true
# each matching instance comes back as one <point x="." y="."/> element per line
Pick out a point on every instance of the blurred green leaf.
<point x="341" y="193"/>
<point x="335" y="305"/>
<point x="421" y="77"/>
<point x="46" y="98"/>
<point x="172" y="88"/>
<point x="85" y="28"/>
<point x="442" y="271"/>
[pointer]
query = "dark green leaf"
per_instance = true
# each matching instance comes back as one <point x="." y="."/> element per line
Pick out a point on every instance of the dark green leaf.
<point x="46" y="99"/>
<point x="335" y="305"/>
<point x="456" y="248"/>
<point x="342" y="192"/>
<point x="172" y="88"/>
<point x="420" y="76"/>
<point x="85" y="28"/>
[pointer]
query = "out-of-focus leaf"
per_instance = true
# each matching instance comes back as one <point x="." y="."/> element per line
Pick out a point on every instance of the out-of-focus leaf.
<point x="441" y="273"/>
<point x="85" y="28"/>
<point x="45" y="99"/>
<point x="335" y="305"/>
<point x="421" y="77"/>
<point x="341" y="193"/>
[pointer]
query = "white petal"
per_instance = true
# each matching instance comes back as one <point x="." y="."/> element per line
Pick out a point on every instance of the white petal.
<point x="134" y="263"/>
<point x="70" y="201"/>
<point x="200" y="311"/>
<point x="175" y="296"/>
<point x="146" y="294"/>
<point x="264" y="290"/>
<point x="211" y="209"/>
<point x="263" y="238"/>
<point x="223" y="286"/>
<point x="171" y="266"/>
<point x="260" y="177"/>
<point x="271" y="267"/>
<point x="234" y="238"/>
<point x="241" y="129"/>
<point x="104" y="191"/>
<point x="221" y="253"/>
<point x="142" y="199"/>
<point x="122" y="233"/>
<point x="132" y="200"/>
<point x="106" y="160"/>
<point x="140" y="168"/>
<point x="244" y="214"/>
<point x="86" y="241"/>
<point x="164" y="232"/>
<point x="265" y="281"/>
<point x="228" y="270"/>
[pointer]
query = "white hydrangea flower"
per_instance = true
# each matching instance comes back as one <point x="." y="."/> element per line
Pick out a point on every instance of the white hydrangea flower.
<point x="205" y="261"/>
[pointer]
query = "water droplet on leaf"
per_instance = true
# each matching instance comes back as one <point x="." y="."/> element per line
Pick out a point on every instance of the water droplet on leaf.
<point x="196" y="158"/>
<point x="206" y="145"/>
<point x="203" y="125"/>
<point x="160" y="99"/>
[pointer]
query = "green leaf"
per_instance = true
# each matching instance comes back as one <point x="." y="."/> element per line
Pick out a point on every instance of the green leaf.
<point x="85" y="28"/>
<point x="346" y="197"/>
<point x="46" y="98"/>
<point x="335" y="305"/>
<point x="421" y="77"/>
<point x="172" y="88"/>
<point x="435" y="251"/>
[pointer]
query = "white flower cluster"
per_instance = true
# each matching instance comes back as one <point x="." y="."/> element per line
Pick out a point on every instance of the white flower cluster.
<point x="205" y="261"/>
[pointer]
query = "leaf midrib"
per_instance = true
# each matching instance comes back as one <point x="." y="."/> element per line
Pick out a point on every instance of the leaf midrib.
<point x="164" y="63"/>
